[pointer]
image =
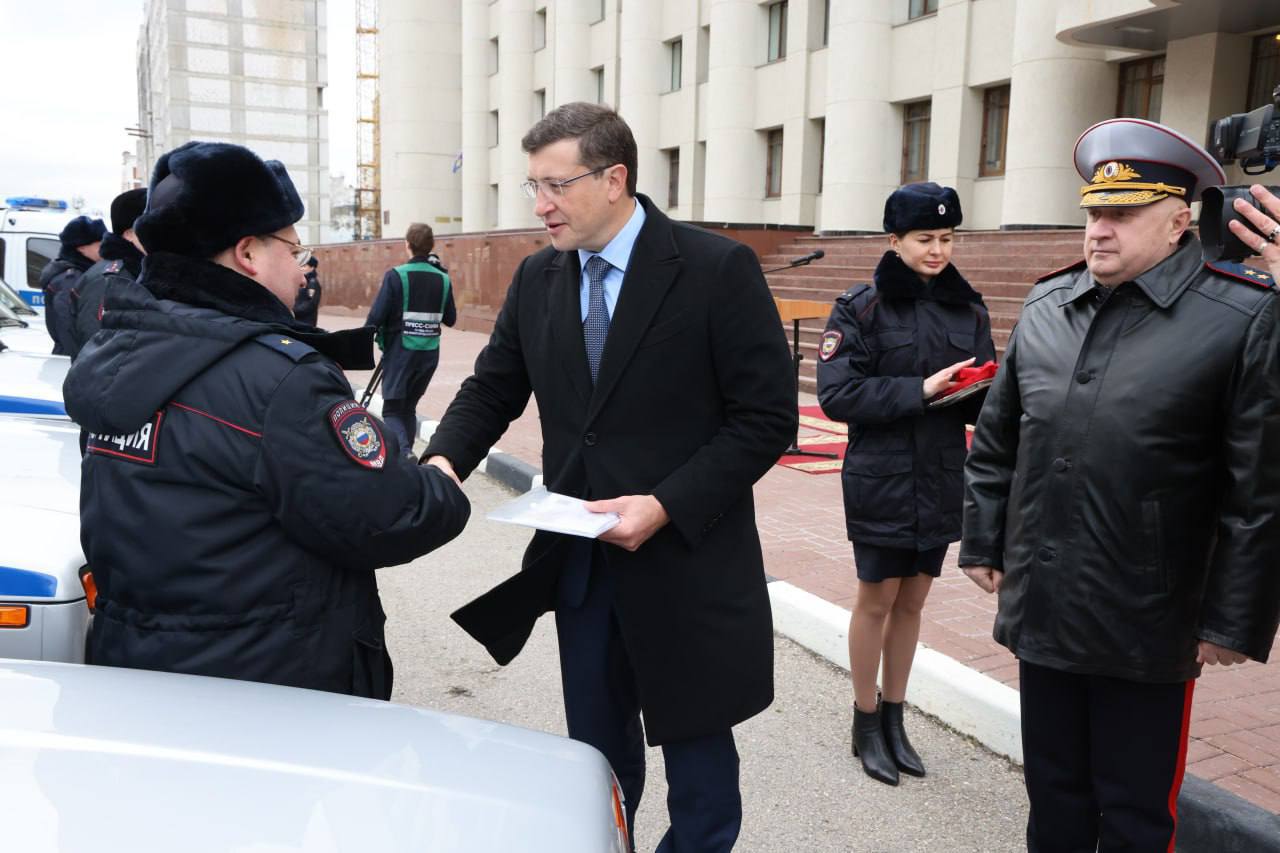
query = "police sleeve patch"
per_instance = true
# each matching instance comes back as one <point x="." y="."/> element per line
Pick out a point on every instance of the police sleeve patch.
<point x="358" y="434"/>
<point x="830" y="344"/>
<point x="137" y="447"/>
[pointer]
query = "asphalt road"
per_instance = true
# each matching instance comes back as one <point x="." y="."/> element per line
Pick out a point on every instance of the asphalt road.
<point x="802" y="790"/>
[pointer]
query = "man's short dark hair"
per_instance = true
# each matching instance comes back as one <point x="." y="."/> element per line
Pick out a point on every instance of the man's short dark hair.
<point x="604" y="139"/>
<point x="421" y="239"/>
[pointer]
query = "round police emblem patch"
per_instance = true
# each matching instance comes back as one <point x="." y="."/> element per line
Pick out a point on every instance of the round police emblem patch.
<point x="1111" y="169"/>
<point x="942" y="210"/>
<point x="830" y="343"/>
<point x="358" y="434"/>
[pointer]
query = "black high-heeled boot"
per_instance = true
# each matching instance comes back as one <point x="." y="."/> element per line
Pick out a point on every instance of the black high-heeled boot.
<point x="904" y="755"/>
<point x="869" y="745"/>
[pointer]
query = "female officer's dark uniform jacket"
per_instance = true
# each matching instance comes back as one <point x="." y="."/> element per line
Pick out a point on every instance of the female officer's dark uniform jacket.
<point x="1125" y="472"/>
<point x="234" y="499"/>
<point x="903" y="469"/>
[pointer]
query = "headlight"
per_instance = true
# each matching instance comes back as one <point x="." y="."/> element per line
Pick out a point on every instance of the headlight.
<point x="622" y="841"/>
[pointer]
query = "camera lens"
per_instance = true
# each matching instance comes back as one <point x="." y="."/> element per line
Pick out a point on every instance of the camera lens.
<point x="1218" y="209"/>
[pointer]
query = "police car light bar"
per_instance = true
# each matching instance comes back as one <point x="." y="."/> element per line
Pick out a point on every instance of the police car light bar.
<point x="33" y="203"/>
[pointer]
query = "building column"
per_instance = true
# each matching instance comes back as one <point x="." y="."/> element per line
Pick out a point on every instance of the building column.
<point x="571" y="39"/>
<point x="956" y="109"/>
<point x="799" y="135"/>
<point x="641" y="65"/>
<point x="420" y="70"/>
<point x="862" y="165"/>
<point x="1056" y="92"/>
<point x="735" y="152"/>
<point x="515" y="111"/>
<point x="475" y="115"/>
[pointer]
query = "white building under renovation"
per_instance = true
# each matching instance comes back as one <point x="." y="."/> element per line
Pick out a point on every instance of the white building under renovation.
<point x="805" y="112"/>
<point x="251" y="72"/>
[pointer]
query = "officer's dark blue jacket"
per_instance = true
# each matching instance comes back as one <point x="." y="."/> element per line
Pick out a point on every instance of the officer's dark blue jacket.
<point x="121" y="263"/>
<point x="400" y="366"/>
<point x="58" y="278"/>
<point x="903" y="471"/>
<point x="234" y="499"/>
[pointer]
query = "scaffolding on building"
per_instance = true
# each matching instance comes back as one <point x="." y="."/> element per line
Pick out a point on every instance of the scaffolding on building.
<point x="368" y="218"/>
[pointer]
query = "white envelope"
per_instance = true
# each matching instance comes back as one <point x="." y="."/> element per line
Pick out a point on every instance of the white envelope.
<point x="556" y="513"/>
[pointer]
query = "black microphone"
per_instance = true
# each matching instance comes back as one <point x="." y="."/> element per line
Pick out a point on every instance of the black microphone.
<point x="815" y="255"/>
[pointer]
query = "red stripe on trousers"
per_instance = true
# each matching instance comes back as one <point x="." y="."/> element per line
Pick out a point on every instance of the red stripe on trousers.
<point x="1180" y="768"/>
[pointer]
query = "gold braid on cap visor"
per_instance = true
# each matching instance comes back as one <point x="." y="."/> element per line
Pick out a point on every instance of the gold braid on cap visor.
<point x="1126" y="192"/>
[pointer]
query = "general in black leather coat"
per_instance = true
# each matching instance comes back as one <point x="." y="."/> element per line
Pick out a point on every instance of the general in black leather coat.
<point x="1125" y="475"/>
<point x="903" y="468"/>
<point x="234" y="499"/>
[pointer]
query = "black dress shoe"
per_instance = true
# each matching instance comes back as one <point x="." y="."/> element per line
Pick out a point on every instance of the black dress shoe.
<point x="904" y="755"/>
<point x="869" y="745"/>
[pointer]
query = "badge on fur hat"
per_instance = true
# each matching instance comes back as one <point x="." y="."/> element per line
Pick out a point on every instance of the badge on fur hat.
<point x="358" y="434"/>
<point x="830" y="343"/>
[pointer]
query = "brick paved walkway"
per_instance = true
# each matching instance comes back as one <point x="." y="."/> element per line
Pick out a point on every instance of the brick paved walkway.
<point x="1236" y="716"/>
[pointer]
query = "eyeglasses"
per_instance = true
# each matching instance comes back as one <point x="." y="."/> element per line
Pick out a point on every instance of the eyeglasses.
<point x="555" y="189"/>
<point x="300" y="253"/>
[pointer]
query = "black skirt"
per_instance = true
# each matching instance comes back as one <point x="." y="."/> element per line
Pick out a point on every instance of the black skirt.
<point x="876" y="562"/>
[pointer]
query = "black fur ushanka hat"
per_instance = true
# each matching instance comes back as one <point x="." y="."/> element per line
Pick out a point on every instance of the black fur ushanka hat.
<point x="205" y="196"/>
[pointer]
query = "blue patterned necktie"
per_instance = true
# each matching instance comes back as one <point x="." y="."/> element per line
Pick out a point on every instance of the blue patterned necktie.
<point x="596" y="327"/>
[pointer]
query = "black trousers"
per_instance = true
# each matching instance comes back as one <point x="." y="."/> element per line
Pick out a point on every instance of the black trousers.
<point x="602" y="707"/>
<point x="400" y="413"/>
<point x="1103" y="759"/>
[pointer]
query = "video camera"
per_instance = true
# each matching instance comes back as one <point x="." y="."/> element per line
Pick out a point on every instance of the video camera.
<point x="1253" y="138"/>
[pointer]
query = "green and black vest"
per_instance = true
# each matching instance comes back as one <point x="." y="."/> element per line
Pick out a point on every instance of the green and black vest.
<point x="425" y="288"/>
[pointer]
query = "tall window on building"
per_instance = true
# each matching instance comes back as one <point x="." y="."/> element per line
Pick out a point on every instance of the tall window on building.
<point x="493" y="55"/>
<point x="675" y="59"/>
<point x="1141" y="86"/>
<point x="704" y="52"/>
<point x="822" y="151"/>
<point x="777" y="31"/>
<point x="673" y="177"/>
<point x="540" y="29"/>
<point x="493" y="128"/>
<point x="920" y="8"/>
<point x="597" y="74"/>
<point x="540" y="102"/>
<point x="826" y="22"/>
<point x="1264" y="71"/>
<point x="915" y="141"/>
<point x="599" y="11"/>
<point x="995" y="131"/>
<point x="773" y="164"/>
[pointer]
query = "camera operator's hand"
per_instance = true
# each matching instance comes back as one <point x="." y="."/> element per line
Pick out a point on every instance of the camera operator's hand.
<point x="1267" y="224"/>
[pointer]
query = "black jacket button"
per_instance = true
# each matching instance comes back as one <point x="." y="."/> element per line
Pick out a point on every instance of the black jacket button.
<point x="589" y="439"/>
<point x="1061" y="465"/>
<point x="1046" y="555"/>
<point x="1083" y="377"/>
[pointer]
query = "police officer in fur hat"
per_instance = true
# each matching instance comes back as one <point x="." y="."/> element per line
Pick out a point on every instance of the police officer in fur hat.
<point x="889" y="348"/>
<point x="121" y="261"/>
<point x="80" y="239"/>
<point x="235" y="499"/>
<point x="1121" y="493"/>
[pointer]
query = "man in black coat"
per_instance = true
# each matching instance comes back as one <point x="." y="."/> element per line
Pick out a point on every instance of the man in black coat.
<point x="235" y="500"/>
<point x="306" y="307"/>
<point x="80" y="240"/>
<point x="665" y="391"/>
<point x="1122" y="493"/>
<point x="121" y="262"/>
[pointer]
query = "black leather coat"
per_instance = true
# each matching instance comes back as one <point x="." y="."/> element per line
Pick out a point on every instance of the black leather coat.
<point x="1125" y="472"/>
<point x="903" y="468"/>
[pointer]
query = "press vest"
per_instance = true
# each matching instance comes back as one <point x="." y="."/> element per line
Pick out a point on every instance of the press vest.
<point x="422" y="309"/>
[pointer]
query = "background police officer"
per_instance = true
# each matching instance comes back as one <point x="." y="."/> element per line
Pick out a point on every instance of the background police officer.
<point x="1122" y="496"/>
<point x="121" y="262"/>
<point x="416" y="297"/>
<point x="80" y="240"/>
<point x="235" y="500"/>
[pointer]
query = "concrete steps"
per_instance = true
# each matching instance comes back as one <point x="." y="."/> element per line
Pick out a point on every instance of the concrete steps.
<point x="1001" y="265"/>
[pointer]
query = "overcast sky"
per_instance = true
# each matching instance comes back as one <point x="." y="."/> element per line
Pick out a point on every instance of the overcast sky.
<point x="68" y="89"/>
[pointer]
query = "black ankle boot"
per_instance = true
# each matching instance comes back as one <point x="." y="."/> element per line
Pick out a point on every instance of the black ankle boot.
<point x="869" y="745"/>
<point x="896" y="737"/>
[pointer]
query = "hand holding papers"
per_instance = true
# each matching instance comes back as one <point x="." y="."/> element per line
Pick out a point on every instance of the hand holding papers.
<point x="556" y="513"/>
<point x="968" y="381"/>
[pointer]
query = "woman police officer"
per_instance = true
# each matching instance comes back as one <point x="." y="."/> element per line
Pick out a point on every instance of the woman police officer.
<point x="888" y="348"/>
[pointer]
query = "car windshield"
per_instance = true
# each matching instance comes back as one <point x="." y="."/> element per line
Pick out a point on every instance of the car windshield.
<point x="10" y="299"/>
<point x="8" y="319"/>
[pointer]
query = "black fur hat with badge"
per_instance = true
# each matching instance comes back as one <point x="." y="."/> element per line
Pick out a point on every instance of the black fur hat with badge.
<point x="205" y="196"/>
<point x="921" y="207"/>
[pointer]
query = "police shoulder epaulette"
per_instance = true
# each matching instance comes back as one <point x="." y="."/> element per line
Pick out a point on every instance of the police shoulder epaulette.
<point x="1241" y="272"/>
<point x="853" y="292"/>
<point x="285" y="345"/>
<point x="113" y="267"/>
<point x="1078" y="265"/>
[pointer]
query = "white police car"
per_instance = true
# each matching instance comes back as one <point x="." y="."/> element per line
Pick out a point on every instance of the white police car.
<point x="106" y="759"/>
<point x="30" y="383"/>
<point x="43" y="610"/>
<point x="22" y="328"/>
<point x="29" y="230"/>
